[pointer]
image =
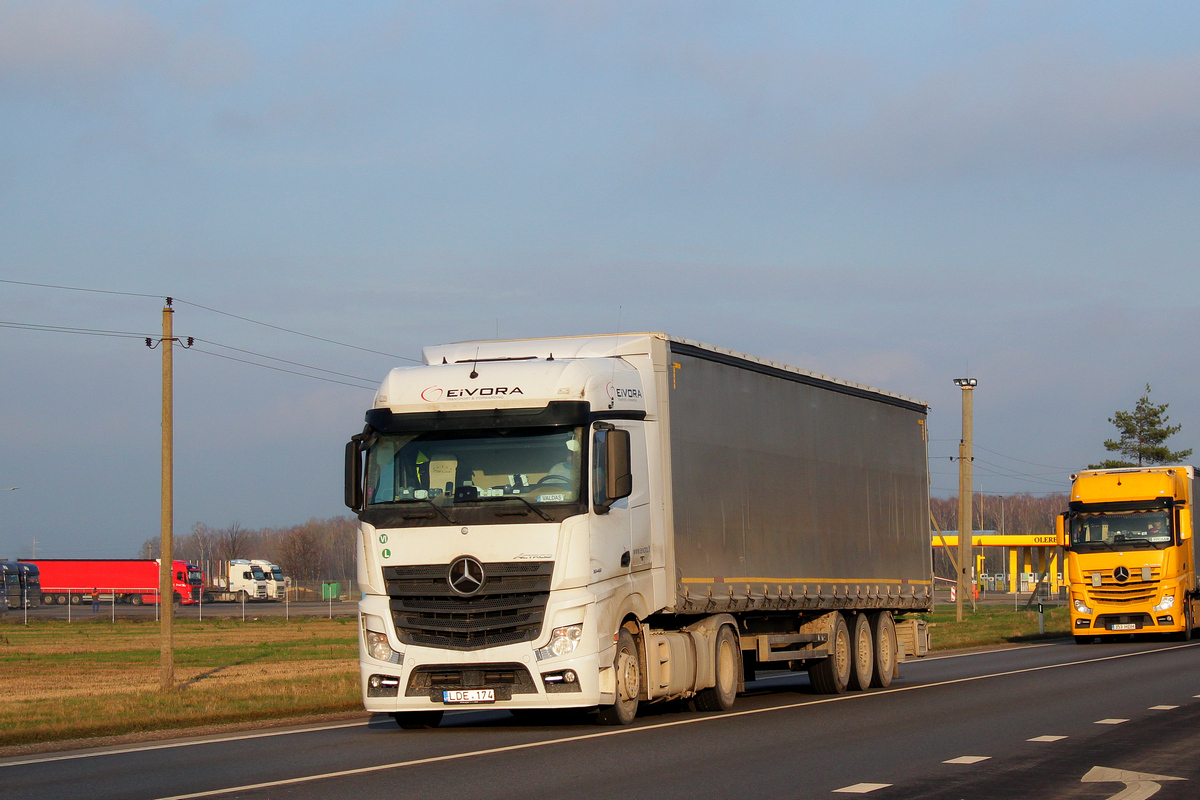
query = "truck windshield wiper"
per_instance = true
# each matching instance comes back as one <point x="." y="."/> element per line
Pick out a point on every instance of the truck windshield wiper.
<point x="532" y="507"/>
<point x="434" y="506"/>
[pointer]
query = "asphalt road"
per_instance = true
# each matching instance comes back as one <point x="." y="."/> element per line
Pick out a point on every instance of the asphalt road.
<point x="1046" y="721"/>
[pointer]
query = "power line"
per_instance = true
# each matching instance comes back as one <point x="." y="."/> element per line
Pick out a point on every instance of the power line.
<point x="27" y="326"/>
<point x="214" y="311"/>
<point x="279" y="369"/>
<point x="282" y="360"/>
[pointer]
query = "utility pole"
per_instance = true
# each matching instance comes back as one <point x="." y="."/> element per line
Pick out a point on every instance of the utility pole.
<point x="166" y="591"/>
<point x="966" y="538"/>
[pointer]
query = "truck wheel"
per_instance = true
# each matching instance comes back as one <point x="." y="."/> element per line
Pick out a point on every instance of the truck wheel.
<point x="47" y="599"/>
<point x="862" y="654"/>
<point x="831" y="675"/>
<point x="76" y="599"/>
<point x="883" y="631"/>
<point x="416" y="720"/>
<point x="135" y="599"/>
<point x="629" y="683"/>
<point x="242" y="597"/>
<point x="721" y="696"/>
<point x="63" y="599"/>
<point x="1185" y="635"/>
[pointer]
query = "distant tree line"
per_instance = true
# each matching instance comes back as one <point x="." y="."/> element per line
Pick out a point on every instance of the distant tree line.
<point x="1024" y="514"/>
<point x="316" y="550"/>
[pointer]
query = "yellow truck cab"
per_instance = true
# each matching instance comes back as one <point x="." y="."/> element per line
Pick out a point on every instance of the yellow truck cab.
<point x="1130" y="557"/>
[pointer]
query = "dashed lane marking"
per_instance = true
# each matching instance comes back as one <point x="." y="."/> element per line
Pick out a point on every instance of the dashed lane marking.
<point x="967" y="760"/>
<point x="861" y="788"/>
<point x="1110" y="721"/>
<point x="1162" y="708"/>
<point x="1046" y="739"/>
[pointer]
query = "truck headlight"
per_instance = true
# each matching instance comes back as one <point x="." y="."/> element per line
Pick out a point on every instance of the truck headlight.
<point x="563" y="641"/>
<point x="381" y="650"/>
<point x="1167" y="602"/>
<point x="1082" y="607"/>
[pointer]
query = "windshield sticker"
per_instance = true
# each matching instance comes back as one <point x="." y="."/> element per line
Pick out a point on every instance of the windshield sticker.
<point x="553" y="498"/>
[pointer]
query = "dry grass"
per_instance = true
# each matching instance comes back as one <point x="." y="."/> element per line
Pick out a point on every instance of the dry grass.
<point x="95" y="678"/>
<point x="993" y="625"/>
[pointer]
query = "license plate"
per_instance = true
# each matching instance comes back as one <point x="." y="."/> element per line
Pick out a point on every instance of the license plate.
<point x="469" y="696"/>
<point x="1123" y="626"/>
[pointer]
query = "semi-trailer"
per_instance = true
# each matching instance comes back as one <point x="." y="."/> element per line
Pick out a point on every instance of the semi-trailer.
<point x="604" y="522"/>
<point x="1131" y="551"/>
<point x="134" y="581"/>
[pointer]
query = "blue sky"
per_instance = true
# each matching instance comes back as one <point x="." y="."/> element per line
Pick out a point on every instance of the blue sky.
<point x="896" y="194"/>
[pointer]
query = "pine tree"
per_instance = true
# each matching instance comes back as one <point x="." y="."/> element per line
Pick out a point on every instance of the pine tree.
<point x="1143" y="435"/>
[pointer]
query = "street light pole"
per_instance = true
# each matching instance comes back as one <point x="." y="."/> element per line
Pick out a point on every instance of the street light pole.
<point x="966" y="538"/>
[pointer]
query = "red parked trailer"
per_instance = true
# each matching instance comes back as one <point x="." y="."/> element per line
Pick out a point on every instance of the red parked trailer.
<point x="129" y="580"/>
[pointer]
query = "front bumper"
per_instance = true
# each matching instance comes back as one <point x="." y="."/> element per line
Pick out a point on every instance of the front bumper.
<point x="514" y="675"/>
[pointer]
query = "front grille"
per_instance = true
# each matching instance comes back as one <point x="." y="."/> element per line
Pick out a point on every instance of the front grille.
<point x="1134" y="590"/>
<point x="505" y="679"/>
<point x="508" y="609"/>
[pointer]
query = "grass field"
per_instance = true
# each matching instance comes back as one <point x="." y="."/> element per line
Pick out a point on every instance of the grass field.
<point x="95" y="678"/>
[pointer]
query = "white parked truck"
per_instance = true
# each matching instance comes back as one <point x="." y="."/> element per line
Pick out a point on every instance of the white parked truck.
<point x="609" y="521"/>
<point x="238" y="580"/>
<point x="276" y="583"/>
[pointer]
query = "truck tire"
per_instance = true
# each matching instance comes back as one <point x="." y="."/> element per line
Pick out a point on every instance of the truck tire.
<point x="76" y="599"/>
<point x="726" y="668"/>
<point x="63" y="599"/>
<point x="242" y="597"/>
<point x="629" y="682"/>
<point x="47" y="599"/>
<point x="1185" y="635"/>
<point x="831" y="675"/>
<point x="883" y="630"/>
<point x="416" y="720"/>
<point x="862" y="654"/>
<point x="135" y="599"/>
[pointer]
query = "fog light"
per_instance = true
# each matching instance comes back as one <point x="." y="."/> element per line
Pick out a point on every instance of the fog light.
<point x="1083" y="623"/>
<point x="1167" y="620"/>
<point x="383" y="686"/>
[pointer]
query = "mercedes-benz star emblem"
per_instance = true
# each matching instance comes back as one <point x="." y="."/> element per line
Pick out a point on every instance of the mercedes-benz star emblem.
<point x="465" y="576"/>
<point x="1121" y="574"/>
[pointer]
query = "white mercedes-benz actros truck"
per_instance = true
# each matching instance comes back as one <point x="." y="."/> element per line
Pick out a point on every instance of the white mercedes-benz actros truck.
<point x="600" y="522"/>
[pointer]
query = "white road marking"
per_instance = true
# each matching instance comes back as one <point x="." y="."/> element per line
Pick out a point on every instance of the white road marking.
<point x="693" y="720"/>
<point x="1162" y="708"/>
<point x="1110" y="721"/>
<point x="1138" y="785"/>
<point x="861" y="788"/>
<point x="1046" y="739"/>
<point x="966" y="760"/>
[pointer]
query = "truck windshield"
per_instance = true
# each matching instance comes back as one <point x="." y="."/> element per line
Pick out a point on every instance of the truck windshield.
<point x="257" y="572"/>
<point x="539" y="466"/>
<point x="194" y="577"/>
<point x="1121" y="530"/>
<point x="277" y="574"/>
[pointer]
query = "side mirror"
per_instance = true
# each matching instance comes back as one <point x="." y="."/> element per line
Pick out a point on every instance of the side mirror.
<point x="354" y="487"/>
<point x="619" y="469"/>
<point x="1060" y="530"/>
<point x="1185" y="523"/>
<point x="612" y="468"/>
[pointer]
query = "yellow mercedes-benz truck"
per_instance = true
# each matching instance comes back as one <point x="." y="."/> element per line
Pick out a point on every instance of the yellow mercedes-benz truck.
<point x="1131" y="558"/>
